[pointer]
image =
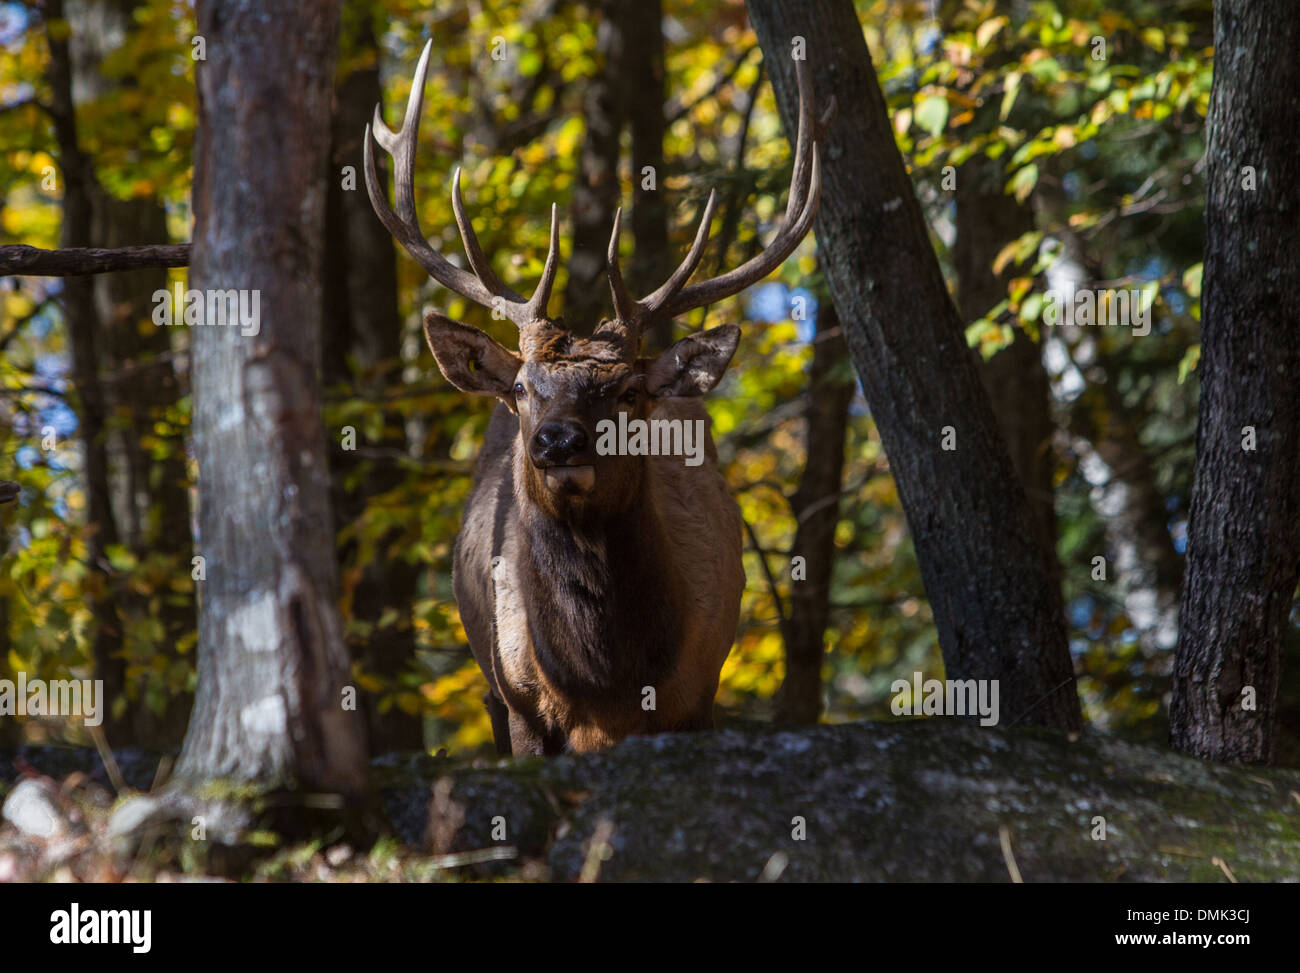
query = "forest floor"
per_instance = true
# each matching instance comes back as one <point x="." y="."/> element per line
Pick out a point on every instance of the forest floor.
<point x="927" y="800"/>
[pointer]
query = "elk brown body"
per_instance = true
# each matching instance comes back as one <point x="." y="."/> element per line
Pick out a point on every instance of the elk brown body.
<point x="600" y="591"/>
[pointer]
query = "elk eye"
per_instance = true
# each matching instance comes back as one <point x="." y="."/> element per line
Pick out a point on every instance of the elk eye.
<point x="629" y="396"/>
<point x="519" y="388"/>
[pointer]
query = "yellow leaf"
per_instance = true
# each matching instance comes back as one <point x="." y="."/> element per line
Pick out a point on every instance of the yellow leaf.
<point x="988" y="30"/>
<point x="1004" y="256"/>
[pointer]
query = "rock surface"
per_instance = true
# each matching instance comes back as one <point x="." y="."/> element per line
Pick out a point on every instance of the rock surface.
<point x="928" y="800"/>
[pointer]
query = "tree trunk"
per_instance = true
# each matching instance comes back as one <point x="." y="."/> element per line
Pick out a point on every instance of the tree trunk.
<point x="84" y="343"/>
<point x="1014" y="378"/>
<point x="362" y="324"/>
<point x="816" y="508"/>
<point x="596" y="190"/>
<point x="1243" y="550"/>
<point x="641" y="78"/>
<point x="997" y="610"/>
<point x="272" y="663"/>
<point x="150" y="497"/>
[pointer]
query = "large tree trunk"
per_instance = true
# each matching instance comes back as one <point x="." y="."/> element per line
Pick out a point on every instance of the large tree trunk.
<point x="816" y="508"/>
<point x="995" y="605"/>
<point x="362" y="326"/>
<point x="272" y="663"/>
<point x="1243" y="550"/>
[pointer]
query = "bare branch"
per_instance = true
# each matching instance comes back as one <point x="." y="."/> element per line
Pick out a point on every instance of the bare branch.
<point x="23" y="260"/>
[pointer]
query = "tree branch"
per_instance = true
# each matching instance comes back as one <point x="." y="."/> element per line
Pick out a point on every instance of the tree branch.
<point x="675" y="109"/>
<point x="767" y="573"/>
<point x="76" y="261"/>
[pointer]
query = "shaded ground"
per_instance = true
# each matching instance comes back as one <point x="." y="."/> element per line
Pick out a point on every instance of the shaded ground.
<point x="928" y="800"/>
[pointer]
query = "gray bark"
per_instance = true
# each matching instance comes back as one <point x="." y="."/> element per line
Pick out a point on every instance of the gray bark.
<point x="272" y="663"/>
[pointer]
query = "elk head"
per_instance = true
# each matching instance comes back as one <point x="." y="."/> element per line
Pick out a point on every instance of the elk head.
<point x="561" y="385"/>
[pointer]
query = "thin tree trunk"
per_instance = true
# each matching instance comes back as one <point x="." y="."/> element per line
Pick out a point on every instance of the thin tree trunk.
<point x="641" y="77"/>
<point x="272" y="663"/>
<point x="151" y="497"/>
<point x="1243" y="550"/>
<point x="997" y="610"/>
<point x="363" y="326"/>
<point x="816" y="508"/>
<point x="1014" y="378"/>
<point x="82" y="323"/>
<point x="596" y="192"/>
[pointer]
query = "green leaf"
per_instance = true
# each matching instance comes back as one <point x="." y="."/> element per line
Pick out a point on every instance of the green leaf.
<point x="1024" y="181"/>
<point x="1009" y="94"/>
<point x="932" y="114"/>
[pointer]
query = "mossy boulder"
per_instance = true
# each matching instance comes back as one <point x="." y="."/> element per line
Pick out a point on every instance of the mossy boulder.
<point x="928" y="800"/>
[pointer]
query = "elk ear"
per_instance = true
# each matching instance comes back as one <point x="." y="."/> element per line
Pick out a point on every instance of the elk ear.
<point x="469" y="359"/>
<point x="694" y="365"/>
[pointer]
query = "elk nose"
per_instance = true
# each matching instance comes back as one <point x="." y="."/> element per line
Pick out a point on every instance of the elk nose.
<point x="557" y="442"/>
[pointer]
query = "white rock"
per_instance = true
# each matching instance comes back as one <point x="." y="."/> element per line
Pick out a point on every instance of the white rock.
<point x="31" y="809"/>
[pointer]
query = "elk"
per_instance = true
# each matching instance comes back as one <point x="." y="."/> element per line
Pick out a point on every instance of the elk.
<point x="600" y="592"/>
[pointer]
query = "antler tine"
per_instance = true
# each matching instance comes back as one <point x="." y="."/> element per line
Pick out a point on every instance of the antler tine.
<point x="759" y="266"/>
<point x="483" y="286"/>
<point x="674" y="297"/>
<point x="625" y="308"/>
<point x="474" y="250"/>
<point x="803" y="140"/>
<point x="669" y="288"/>
<point x="537" y="304"/>
<point x="408" y="235"/>
<point x="637" y="314"/>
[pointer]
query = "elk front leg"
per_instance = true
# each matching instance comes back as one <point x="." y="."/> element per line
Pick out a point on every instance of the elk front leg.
<point x="499" y="714"/>
<point x="525" y="740"/>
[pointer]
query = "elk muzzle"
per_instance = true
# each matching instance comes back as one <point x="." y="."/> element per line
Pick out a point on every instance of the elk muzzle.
<point x="557" y="448"/>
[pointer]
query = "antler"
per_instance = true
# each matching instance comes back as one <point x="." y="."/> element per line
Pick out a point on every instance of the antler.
<point x="483" y="286"/>
<point x="672" y="298"/>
